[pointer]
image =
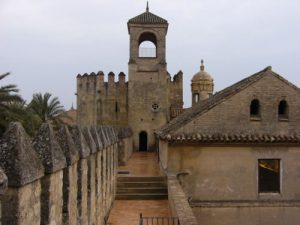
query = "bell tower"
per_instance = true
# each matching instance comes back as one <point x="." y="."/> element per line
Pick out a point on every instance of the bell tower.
<point x="148" y="105"/>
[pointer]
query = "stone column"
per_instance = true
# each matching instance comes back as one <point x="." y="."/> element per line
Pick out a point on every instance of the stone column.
<point x="23" y="169"/>
<point x="91" y="176"/>
<point x="69" y="176"/>
<point x="82" y="170"/>
<point x="54" y="162"/>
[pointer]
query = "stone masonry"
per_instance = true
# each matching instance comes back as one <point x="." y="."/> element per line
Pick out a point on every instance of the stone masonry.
<point x="58" y="177"/>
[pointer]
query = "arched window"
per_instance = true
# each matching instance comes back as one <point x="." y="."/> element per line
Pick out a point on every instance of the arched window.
<point x="147" y="45"/>
<point x="255" y="108"/>
<point x="283" y="110"/>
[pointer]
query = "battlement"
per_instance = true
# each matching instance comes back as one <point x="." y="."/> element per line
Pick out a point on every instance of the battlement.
<point x="178" y="76"/>
<point x="47" y="179"/>
<point x="99" y="77"/>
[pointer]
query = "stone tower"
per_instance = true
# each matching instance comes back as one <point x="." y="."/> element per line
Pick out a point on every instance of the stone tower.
<point x="202" y="85"/>
<point x="148" y="82"/>
<point x="148" y="100"/>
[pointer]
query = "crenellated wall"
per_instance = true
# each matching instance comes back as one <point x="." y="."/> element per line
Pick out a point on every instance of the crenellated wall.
<point x="176" y="95"/>
<point x="67" y="176"/>
<point x="109" y="103"/>
<point x="100" y="102"/>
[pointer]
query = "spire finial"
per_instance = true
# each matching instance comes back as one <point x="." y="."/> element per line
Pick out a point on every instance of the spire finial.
<point x="147" y="8"/>
<point x="202" y="65"/>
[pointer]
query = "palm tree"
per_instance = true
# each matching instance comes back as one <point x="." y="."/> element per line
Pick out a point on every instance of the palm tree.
<point x="48" y="109"/>
<point x="8" y="99"/>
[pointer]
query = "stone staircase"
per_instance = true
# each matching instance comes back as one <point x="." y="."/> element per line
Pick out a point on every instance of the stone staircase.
<point x="147" y="188"/>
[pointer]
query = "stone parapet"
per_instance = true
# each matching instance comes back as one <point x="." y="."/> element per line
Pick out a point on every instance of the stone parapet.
<point x="3" y="182"/>
<point x="80" y="175"/>
<point x="18" y="158"/>
<point x="179" y="203"/>
<point x="48" y="149"/>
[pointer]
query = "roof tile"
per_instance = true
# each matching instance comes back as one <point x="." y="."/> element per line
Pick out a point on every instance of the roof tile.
<point x="147" y="18"/>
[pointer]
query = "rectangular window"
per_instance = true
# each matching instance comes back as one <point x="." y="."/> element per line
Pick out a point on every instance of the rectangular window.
<point x="269" y="175"/>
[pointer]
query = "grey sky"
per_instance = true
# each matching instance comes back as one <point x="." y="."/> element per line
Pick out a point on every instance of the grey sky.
<point x="46" y="43"/>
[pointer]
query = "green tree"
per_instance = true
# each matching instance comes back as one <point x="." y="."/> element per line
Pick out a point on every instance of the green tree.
<point x="47" y="108"/>
<point x="8" y="101"/>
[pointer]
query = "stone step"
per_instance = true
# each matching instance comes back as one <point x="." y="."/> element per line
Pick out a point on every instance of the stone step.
<point x="141" y="190"/>
<point x="141" y="184"/>
<point x="140" y="179"/>
<point x="144" y="196"/>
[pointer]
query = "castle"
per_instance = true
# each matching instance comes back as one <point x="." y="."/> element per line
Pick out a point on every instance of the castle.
<point x="232" y="158"/>
<point x="150" y="98"/>
<point x="233" y="151"/>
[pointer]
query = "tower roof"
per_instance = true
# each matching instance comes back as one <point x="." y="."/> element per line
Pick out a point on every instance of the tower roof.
<point x="147" y="18"/>
<point x="202" y="75"/>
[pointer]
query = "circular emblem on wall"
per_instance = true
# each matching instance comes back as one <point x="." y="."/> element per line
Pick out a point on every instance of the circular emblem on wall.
<point x="155" y="107"/>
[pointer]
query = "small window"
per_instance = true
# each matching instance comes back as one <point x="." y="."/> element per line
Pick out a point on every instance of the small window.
<point x="269" y="175"/>
<point x="196" y="97"/>
<point x="116" y="107"/>
<point x="283" y="110"/>
<point x="255" y="108"/>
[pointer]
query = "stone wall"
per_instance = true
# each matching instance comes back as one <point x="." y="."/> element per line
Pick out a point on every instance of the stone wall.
<point x="3" y="187"/>
<point x="222" y="183"/>
<point x="125" y="147"/>
<point x="67" y="176"/>
<point x="232" y="115"/>
<point x="179" y="203"/>
<point x="100" y="102"/>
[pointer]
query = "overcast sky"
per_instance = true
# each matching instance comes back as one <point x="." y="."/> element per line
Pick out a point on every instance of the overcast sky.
<point x="46" y="43"/>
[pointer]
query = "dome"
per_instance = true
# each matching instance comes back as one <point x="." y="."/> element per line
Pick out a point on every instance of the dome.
<point x="202" y="75"/>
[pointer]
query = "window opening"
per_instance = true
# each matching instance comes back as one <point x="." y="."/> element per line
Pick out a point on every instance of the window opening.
<point x="196" y="97"/>
<point x="269" y="175"/>
<point x="116" y="107"/>
<point x="255" y="108"/>
<point x="283" y="109"/>
<point x="147" y="45"/>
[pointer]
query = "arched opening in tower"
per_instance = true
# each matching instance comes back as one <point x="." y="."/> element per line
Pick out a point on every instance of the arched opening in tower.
<point x="143" y="141"/>
<point x="147" y="45"/>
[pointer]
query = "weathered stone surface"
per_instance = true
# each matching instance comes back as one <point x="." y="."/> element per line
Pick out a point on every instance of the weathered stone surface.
<point x="17" y="157"/>
<point x="89" y="139"/>
<point x="70" y="195"/>
<point x="96" y="138"/>
<point x="22" y="205"/>
<point x="112" y="133"/>
<point x="67" y="144"/>
<point x="3" y="182"/>
<point x="82" y="202"/>
<point x="102" y="136"/>
<point x="48" y="149"/>
<point x="106" y="133"/>
<point x="52" y="199"/>
<point x="92" y="189"/>
<point x="124" y="132"/>
<point x="80" y="142"/>
<point x="179" y="204"/>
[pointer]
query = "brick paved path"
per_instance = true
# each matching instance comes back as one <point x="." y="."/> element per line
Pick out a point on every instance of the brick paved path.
<point x="127" y="212"/>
